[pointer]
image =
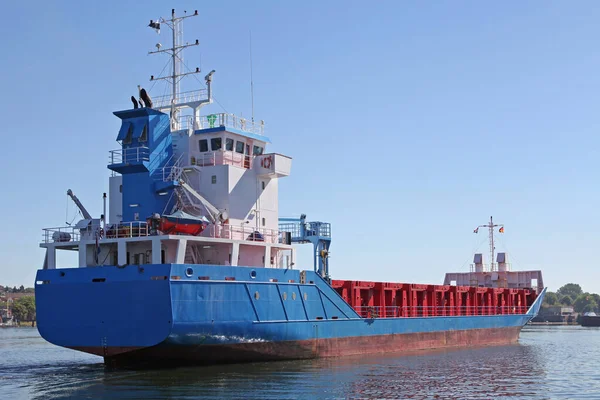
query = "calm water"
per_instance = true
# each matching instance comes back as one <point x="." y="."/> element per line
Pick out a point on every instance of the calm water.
<point x="548" y="362"/>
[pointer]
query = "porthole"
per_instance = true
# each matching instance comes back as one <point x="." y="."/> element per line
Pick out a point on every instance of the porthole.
<point x="189" y="272"/>
<point x="284" y="295"/>
<point x="256" y="295"/>
<point x="293" y="295"/>
<point x="253" y="274"/>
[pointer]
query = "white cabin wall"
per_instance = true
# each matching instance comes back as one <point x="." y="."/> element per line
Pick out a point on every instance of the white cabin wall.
<point x="243" y="192"/>
<point x="269" y="203"/>
<point x="216" y="193"/>
<point x="251" y="256"/>
<point x="115" y="199"/>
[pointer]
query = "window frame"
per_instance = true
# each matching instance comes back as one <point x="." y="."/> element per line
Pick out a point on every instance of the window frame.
<point x="212" y="140"/>
<point x="255" y="153"/>
<point x="237" y="145"/>
<point x="200" y="145"/>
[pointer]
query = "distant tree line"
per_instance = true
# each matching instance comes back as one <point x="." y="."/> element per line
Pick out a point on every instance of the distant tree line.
<point x="20" y="289"/>
<point x="571" y="295"/>
<point x="23" y="309"/>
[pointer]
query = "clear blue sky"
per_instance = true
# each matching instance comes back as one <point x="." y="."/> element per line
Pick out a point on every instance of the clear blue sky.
<point x="409" y="123"/>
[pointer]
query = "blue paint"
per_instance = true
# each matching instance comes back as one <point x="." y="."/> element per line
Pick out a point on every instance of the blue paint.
<point x="136" y="306"/>
<point x="144" y="158"/>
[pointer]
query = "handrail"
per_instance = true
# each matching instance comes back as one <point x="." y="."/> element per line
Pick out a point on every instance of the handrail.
<point x="184" y="97"/>
<point x="228" y="231"/>
<point x="220" y="120"/>
<point x="127" y="230"/>
<point x="436" y="311"/>
<point x="222" y="157"/>
<point x="129" y="155"/>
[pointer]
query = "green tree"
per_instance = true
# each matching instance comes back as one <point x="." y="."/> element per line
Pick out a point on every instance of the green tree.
<point x="591" y="307"/>
<point x="22" y="289"/>
<point x="551" y="298"/>
<point x="572" y="290"/>
<point x="23" y="309"/>
<point x="582" y="301"/>
<point x="566" y="300"/>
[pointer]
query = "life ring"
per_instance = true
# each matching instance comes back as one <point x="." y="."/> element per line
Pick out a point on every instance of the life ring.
<point x="266" y="162"/>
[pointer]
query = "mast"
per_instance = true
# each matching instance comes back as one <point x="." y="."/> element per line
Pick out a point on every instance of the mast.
<point x="491" y="227"/>
<point x="176" y="100"/>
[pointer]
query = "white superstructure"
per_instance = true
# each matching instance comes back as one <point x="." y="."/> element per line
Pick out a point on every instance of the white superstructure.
<point x="213" y="167"/>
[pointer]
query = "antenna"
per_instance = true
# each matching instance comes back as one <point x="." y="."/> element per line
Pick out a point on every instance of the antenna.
<point x="176" y="100"/>
<point x="251" y="78"/>
<point x="491" y="227"/>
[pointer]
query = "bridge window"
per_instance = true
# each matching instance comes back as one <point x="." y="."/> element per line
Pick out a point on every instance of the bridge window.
<point x="203" y="145"/>
<point x="239" y="147"/>
<point x="144" y="136"/>
<point x="257" y="150"/>
<point x="127" y="139"/>
<point x="229" y="144"/>
<point x="215" y="143"/>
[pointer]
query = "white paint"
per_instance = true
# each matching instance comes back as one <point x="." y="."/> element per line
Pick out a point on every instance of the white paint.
<point x="82" y="255"/>
<point x="122" y="252"/>
<point x="235" y="254"/>
<point x="181" y="245"/>
<point x="115" y="199"/>
<point x="156" y="251"/>
<point x="267" y="263"/>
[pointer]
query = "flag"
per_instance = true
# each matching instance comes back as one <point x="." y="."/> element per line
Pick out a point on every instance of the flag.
<point x="476" y="230"/>
<point x="501" y="230"/>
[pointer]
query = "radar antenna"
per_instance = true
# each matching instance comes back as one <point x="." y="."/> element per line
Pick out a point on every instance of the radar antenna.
<point x="177" y="100"/>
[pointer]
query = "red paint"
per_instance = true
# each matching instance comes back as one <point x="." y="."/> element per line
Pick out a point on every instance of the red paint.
<point x="392" y="300"/>
<point x="305" y="349"/>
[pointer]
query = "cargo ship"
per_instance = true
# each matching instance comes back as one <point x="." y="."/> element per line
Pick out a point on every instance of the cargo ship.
<point x="191" y="263"/>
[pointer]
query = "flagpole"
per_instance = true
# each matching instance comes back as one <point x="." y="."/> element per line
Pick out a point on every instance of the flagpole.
<point x="491" y="227"/>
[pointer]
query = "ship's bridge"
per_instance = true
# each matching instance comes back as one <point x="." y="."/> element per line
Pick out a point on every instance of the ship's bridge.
<point x="227" y="139"/>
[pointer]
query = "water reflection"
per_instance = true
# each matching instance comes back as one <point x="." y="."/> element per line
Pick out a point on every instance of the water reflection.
<point x="535" y="368"/>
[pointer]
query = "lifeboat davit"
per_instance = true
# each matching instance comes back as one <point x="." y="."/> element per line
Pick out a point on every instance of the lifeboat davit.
<point x="178" y="223"/>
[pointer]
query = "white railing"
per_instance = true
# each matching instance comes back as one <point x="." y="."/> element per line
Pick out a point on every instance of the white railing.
<point x="242" y="233"/>
<point x="61" y="235"/>
<point x="129" y="155"/>
<point x="217" y="120"/>
<point x="185" y="97"/>
<point x="171" y="173"/>
<point x="232" y="121"/>
<point x="225" y="157"/>
<point x="122" y="230"/>
<point x="127" y="230"/>
<point x="494" y="267"/>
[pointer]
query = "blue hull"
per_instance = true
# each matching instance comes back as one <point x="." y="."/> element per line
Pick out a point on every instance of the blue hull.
<point x="206" y="314"/>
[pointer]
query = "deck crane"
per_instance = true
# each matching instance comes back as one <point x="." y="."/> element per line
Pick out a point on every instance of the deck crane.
<point x="317" y="233"/>
<point x="84" y="212"/>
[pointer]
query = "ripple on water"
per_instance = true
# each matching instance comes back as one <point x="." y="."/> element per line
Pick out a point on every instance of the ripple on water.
<point x="549" y="362"/>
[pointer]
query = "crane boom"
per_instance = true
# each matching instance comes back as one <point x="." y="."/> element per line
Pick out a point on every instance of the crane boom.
<point x="85" y="213"/>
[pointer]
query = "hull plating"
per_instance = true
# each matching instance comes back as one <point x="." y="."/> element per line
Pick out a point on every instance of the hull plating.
<point x="233" y="314"/>
<point x="306" y="349"/>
